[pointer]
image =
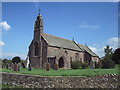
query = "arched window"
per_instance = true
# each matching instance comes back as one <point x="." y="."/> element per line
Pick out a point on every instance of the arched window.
<point x="77" y="57"/>
<point x="36" y="49"/>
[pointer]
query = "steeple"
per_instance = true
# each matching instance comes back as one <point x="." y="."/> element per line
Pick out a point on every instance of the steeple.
<point x="38" y="26"/>
<point x="39" y="12"/>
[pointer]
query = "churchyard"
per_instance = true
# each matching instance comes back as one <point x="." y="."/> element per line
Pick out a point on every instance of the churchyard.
<point x="63" y="72"/>
<point x="88" y="72"/>
<point x="106" y="70"/>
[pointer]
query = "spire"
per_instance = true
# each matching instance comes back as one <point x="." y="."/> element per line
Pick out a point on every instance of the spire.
<point x="38" y="26"/>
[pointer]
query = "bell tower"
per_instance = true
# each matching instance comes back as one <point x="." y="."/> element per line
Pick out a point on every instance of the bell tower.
<point x="38" y="27"/>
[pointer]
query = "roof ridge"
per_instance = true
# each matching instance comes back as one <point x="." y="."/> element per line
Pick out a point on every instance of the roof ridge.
<point x="58" y="37"/>
<point x="91" y="50"/>
<point x="77" y="45"/>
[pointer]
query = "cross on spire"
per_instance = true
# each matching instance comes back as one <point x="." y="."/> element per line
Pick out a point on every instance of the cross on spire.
<point x="39" y="12"/>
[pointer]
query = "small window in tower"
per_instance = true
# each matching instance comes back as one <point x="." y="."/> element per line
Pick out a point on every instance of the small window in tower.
<point x="36" y="49"/>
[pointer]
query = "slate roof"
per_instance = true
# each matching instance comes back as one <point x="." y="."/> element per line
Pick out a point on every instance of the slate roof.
<point x="64" y="43"/>
<point x="60" y="42"/>
<point x="87" y="49"/>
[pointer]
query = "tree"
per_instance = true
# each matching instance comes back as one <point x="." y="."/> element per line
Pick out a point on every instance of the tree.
<point x="108" y="52"/>
<point x="116" y="56"/>
<point x="107" y="61"/>
<point x="4" y="60"/>
<point x="16" y="59"/>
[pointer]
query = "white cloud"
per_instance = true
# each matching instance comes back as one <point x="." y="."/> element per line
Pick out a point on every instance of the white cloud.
<point x="98" y="51"/>
<point x="86" y="25"/>
<point x="2" y="43"/>
<point x="113" y="42"/>
<point x="11" y="55"/>
<point x="94" y="44"/>
<point x="5" y="25"/>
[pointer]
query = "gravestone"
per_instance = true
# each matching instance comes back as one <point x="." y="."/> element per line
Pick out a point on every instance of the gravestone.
<point x="19" y="66"/>
<point x="56" y="66"/>
<point x="47" y="66"/>
<point x="12" y="66"/>
<point x="15" y="67"/>
<point x="29" y="67"/>
<point x="3" y="65"/>
<point x="23" y="65"/>
<point x="7" y="65"/>
<point x="92" y="64"/>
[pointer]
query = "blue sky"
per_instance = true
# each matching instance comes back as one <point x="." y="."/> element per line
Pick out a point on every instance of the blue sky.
<point x="93" y="23"/>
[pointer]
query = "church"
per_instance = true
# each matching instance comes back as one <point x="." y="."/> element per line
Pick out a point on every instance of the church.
<point x="46" y="48"/>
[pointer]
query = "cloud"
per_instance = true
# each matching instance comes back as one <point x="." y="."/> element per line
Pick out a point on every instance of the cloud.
<point x="2" y="43"/>
<point x="11" y="55"/>
<point x="86" y="25"/>
<point x="113" y="42"/>
<point x="94" y="44"/>
<point x="5" y="25"/>
<point x="98" y="51"/>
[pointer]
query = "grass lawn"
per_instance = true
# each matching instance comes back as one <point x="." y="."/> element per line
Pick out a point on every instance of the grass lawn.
<point x="66" y="72"/>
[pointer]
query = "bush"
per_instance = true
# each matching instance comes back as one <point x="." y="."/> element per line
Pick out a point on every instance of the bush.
<point x="107" y="63"/>
<point x="116" y="56"/>
<point x="84" y="65"/>
<point x="98" y="64"/>
<point x="75" y="64"/>
<point x="6" y="61"/>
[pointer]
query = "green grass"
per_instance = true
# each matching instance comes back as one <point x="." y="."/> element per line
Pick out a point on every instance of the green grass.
<point x="66" y="72"/>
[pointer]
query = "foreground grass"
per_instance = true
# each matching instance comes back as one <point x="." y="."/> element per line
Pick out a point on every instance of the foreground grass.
<point x="66" y="72"/>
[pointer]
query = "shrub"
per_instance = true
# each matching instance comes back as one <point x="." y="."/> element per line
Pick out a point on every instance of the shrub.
<point x="75" y="64"/>
<point x="47" y="66"/>
<point x="108" y="63"/>
<point x="6" y="61"/>
<point x="116" y="56"/>
<point x="98" y="64"/>
<point x="84" y="65"/>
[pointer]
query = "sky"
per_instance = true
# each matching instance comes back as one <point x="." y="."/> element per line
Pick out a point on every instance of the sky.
<point x="92" y="23"/>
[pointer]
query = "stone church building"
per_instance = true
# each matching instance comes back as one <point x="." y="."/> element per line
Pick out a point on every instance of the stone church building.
<point x="52" y="49"/>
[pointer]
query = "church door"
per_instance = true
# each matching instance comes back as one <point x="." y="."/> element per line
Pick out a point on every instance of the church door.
<point x="61" y="62"/>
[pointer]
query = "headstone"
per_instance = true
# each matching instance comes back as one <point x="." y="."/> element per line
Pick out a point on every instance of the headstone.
<point x="12" y="66"/>
<point x="15" y="67"/>
<point x="47" y="66"/>
<point x="23" y="65"/>
<point x="7" y="65"/>
<point x="19" y="66"/>
<point x="56" y="66"/>
<point x="3" y="65"/>
<point x="92" y="64"/>
<point x="29" y="67"/>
